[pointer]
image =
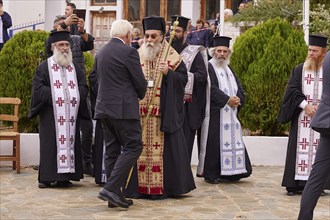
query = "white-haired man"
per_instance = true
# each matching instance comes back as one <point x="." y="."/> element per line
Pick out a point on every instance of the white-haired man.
<point x="58" y="89"/>
<point x="121" y="84"/>
<point x="226" y="157"/>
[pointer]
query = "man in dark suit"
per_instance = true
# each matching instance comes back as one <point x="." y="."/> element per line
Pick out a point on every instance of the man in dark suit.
<point x="321" y="167"/>
<point x="121" y="84"/>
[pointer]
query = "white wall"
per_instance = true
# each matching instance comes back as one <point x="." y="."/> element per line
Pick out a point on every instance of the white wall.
<point x="191" y="9"/>
<point x="267" y="151"/>
<point x="25" y="12"/>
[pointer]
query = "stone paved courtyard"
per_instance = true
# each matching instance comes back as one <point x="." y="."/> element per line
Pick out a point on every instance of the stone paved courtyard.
<point x="257" y="197"/>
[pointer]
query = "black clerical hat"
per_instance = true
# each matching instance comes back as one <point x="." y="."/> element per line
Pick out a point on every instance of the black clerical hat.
<point x="317" y="40"/>
<point x="221" y="41"/>
<point x="59" y="36"/>
<point x="154" y="23"/>
<point x="183" y="21"/>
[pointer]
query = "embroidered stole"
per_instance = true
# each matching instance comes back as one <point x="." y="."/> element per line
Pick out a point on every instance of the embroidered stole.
<point x="150" y="162"/>
<point x="307" y="138"/>
<point x="65" y="98"/>
<point x="232" y="148"/>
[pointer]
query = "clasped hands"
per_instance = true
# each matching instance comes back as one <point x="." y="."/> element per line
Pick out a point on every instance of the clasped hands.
<point x="234" y="101"/>
<point x="310" y="110"/>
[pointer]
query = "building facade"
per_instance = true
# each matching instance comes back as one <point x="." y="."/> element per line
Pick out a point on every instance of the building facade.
<point x="40" y="14"/>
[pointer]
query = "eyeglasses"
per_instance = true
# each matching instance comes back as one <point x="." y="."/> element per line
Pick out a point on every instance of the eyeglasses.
<point x="63" y="45"/>
<point x="153" y="36"/>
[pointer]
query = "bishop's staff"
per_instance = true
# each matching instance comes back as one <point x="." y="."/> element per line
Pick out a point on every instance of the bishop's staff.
<point x="159" y="80"/>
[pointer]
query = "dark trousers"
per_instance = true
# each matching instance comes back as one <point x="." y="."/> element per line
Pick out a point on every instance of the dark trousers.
<point x="1" y="46"/>
<point x="123" y="142"/>
<point x="317" y="179"/>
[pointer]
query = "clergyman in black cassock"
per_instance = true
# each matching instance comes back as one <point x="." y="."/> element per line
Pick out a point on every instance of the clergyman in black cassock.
<point x="292" y="109"/>
<point x="195" y="100"/>
<point x="226" y="157"/>
<point x="42" y="105"/>
<point x="163" y="169"/>
<point x="321" y="167"/>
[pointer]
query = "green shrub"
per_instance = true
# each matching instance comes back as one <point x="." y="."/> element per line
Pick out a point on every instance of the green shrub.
<point x="263" y="58"/>
<point x="19" y="60"/>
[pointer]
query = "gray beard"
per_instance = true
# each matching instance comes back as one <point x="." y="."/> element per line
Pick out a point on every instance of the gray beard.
<point x="62" y="59"/>
<point x="149" y="53"/>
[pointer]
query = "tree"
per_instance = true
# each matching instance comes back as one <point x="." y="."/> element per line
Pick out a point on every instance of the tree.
<point x="19" y="59"/>
<point x="263" y="58"/>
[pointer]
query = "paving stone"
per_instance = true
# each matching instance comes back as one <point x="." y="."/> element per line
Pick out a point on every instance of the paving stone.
<point x="259" y="197"/>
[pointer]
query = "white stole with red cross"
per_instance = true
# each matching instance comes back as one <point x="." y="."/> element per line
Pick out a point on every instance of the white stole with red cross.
<point x="65" y="96"/>
<point x="307" y="138"/>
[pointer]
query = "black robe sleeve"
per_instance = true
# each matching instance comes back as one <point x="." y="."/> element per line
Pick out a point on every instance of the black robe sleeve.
<point x="171" y="99"/>
<point x="293" y="96"/>
<point x="218" y="98"/>
<point x="87" y="45"/>
<point x="41" y="91"/>
<point x="84" y="112"/>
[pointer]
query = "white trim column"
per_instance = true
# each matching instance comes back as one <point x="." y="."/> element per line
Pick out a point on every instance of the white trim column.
<point x="306" y="20"/>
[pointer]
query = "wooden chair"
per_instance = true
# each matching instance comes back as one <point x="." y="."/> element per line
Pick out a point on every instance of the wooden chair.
<point x="10" y="132"/>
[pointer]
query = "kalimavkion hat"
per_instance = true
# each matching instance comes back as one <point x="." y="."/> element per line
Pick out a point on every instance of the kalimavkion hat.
<point x="221" y="41"/>
<point x="183" y="21"/>
<point x="317" y="40"/>
<point x="154" y="23"/>
<point x="60" y="36"/>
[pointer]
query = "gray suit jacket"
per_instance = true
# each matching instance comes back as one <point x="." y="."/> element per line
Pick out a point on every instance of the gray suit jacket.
<point x="321" y="119"/>
<point x="121" y="82"/>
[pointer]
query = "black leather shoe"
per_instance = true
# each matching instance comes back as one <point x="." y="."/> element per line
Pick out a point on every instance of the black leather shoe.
<point x="43" y="185"/>
<point x="129" y="202"/>
<point x="199" y="175"/>
<point x="112" y="197"/>
<point x="212" y="181"/>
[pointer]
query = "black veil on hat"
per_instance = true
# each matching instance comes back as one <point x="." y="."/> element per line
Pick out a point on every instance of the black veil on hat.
<point x="183" y="21"/>
<point x="221" y="41"/>
<point x="60" y="36"/>
<point x="154" y="23"/>
<point x="317" y="40"/>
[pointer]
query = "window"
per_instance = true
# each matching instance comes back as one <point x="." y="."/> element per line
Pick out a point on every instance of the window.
<point x="134" y="10"/>
<point x="102" y="2"/>
<point x="152" y="7"/>
<point x="173" y="8"/>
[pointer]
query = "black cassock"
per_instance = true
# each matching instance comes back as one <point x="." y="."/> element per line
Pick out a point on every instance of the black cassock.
<point x="289" y="112"/>
<point x="212" y="158"/>
<point x="98" y="133"/>
<point x="41" y="105"/>
<point x="178" y="177"/>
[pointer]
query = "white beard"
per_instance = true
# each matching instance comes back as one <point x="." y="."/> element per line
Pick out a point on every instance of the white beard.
<point x="62" y="59"/>
<point x="149" y="53"/>
<point x="221" y="62"/>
